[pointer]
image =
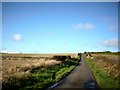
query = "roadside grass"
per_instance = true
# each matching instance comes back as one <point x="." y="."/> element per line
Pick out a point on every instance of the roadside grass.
<point x="104" y="79"/>
<point x="41" y="78"/>
<point x="47" y="78"/>
<point x="63" y="72"/>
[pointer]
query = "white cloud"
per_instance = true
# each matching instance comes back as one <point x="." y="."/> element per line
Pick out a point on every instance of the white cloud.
<point x="81" y="26"/>
<point x="17" y="37"/>
<point x="111" y="43"/>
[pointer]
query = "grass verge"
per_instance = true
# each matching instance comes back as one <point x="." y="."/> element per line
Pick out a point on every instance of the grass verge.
<point x="104" y="79"/>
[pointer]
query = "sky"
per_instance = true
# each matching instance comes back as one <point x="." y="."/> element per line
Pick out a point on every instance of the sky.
<point x="59" y="27"/>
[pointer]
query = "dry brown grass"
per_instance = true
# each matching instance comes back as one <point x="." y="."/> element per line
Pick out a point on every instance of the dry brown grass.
<point x="39" y="55"/>
<point x="109" y="62"/>
<point x="111" y="57"/>
<point x="21" y="68"/>
<point x="19" y="65"/>
<point x="18" y="68"/>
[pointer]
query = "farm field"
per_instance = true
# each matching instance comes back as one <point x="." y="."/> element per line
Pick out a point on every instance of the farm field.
<point x="36" y="55"/>
<point x="110" y="57"/>
<point x="38" y="71"/>
<point x="105" y="69"/>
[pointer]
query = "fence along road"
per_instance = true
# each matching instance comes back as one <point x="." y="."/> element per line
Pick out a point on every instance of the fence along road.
<point x="80" y="77"/>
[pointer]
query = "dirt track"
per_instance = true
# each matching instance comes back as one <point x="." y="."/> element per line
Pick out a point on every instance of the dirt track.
<point x="81" y="77"/>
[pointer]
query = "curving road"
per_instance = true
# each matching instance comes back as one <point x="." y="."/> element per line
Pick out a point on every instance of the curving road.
<point x="80" y="77"/>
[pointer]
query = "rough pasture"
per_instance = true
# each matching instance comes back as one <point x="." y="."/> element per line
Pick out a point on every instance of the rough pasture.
<point x="109" y="62"/>
<point x="17" y="67"/>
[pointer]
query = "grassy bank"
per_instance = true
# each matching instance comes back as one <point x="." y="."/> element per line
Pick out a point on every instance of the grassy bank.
<point x="41" y="77"/>
<point x="105" y="79"/>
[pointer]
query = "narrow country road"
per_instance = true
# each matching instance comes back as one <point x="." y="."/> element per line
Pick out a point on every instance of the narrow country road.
<point x="80" y="77"/>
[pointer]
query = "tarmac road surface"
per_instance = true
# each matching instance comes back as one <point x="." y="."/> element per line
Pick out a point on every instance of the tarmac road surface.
<point x="80" y="77"/>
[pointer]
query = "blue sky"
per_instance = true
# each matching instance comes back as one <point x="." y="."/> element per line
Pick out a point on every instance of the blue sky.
<point x="61" y="27"/>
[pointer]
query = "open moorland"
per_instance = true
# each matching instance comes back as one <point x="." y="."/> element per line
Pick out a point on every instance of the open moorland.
<point x="35" y="70"/>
